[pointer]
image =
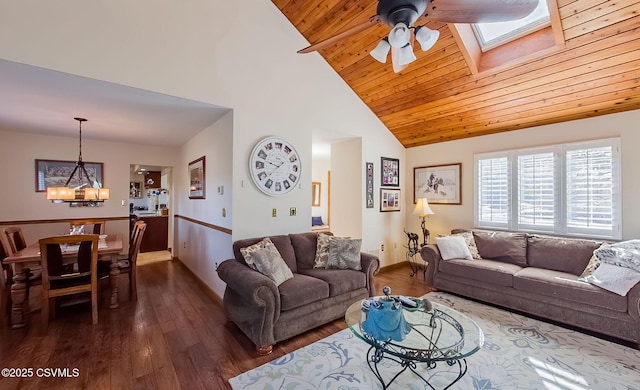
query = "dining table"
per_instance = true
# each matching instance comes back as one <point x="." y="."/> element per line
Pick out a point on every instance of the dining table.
<point x="109" y="248"/>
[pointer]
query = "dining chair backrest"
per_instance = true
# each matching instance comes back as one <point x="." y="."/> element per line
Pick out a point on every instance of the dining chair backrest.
<point x="134" y="249"/>
<point x="59" y="280"/>
<point x="136" y="237"/>
<point x="93" y="226"/>
<point x="15" y="238"/>
<point x="54" y="267"/>
<point x="5" y="269"/>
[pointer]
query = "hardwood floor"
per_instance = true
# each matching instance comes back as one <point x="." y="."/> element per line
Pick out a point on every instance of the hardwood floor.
<point x="173" y="337"/>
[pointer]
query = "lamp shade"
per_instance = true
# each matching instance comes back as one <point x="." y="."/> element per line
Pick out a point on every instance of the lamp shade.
<point x="406" y="55"/>
<point x="381" y="51"/>
<point x="422" y="208"/>
<point x="426" y="37"/>
<point x="60" y="193"/>
<point x="399" y="35"/>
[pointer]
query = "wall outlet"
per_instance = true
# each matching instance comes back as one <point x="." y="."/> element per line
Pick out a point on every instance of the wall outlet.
<point x="274" y="212"/>
<point x="395" y="245"/>
<point x="292" y="212"/>
<point x="124" y="202"/>
<point x="184" y="245"/>
<point x="224" y="212"/>
<point x="381" y="247"/>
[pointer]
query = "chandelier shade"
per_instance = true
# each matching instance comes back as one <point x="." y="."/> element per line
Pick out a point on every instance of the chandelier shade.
<point x="381" y="51"/>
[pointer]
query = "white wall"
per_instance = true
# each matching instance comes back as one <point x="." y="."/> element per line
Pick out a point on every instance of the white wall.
<point x="446" y="217"/>
<point x="200" y="247"/>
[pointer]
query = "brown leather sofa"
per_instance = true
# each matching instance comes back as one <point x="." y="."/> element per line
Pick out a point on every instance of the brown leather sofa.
<point x="539" y="275"/>
<point x="267" y="313"/>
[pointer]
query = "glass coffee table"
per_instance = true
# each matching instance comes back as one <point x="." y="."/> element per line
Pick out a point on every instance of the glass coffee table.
<point x="437" y="335"/>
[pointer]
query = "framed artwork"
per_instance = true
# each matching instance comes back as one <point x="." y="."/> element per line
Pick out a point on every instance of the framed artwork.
<point x="390" y="172"/>
<point x="369" y="185"/>
<point x="440" y="184"/>
<point x="197" y="179"/>
<point x="389" y="199"/>
<point x="55" y="173"/>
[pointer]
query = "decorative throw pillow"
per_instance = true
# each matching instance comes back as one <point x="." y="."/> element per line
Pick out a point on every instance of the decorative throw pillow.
<point x="344" y="253"/>
<point x="316" y="221"/>
<point x="471" y="243"/>
<point x="322" y="250"/>
<point x="614" y="278"/>
<point x="453" y="247"/>
<point x="623" y="254"/>
<point x="248" y="251"/>
<point x="270" y="263"/>
<point x="593" y="264"/>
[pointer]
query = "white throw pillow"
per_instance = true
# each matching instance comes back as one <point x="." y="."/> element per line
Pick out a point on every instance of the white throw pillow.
<point x="614" y="278"/>
<point x="453" y="247"/>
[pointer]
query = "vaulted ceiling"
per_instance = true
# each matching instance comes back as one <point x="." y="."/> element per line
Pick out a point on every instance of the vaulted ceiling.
<point x="440" y="97"/>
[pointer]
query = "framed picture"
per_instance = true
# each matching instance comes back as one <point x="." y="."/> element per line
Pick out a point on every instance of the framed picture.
<point x="390" y="172"/>
<point x="55" y="173"/>
<point x="197" y="179"/>
<point x="369" y="185"/>
<point x="440" y="184"/>
<point x="389" y="199"/>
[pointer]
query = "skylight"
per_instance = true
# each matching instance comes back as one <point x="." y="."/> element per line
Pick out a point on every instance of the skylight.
<point x="491" y="35"/>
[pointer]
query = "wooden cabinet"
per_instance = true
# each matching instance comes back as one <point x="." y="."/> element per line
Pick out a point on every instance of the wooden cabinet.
<point x="156" y="236"/>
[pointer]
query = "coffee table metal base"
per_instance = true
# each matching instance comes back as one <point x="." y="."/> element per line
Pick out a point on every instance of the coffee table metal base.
<point x="376" y="355"/>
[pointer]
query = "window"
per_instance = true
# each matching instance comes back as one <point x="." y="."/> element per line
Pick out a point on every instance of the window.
<point x="568" y="189"/>
<point x="491" y="35"/>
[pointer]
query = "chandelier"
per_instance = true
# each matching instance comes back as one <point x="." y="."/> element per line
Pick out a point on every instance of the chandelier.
<point x="85" y="193"/>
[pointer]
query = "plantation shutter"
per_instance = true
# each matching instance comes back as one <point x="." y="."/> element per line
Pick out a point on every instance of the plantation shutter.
<point x="593" y="190"/>
<point x="492" y="203"/>
<point x="536" y="191"/>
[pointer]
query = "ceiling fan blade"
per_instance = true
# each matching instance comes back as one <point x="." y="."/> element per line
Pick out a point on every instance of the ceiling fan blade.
<point x="479" y="11"/>
<point x="334" y="39"/>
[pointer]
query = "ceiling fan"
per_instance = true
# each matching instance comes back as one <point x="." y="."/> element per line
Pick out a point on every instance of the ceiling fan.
<point x="402" y="15"/>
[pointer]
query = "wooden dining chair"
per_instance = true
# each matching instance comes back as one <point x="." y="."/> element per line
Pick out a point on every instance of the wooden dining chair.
<point x="57" y="282"/>
<point x="95" y="226"/>
<point x="15" y="238"/>
<point x="6" y="277"/>
<point x="128" y="265"/>
<point x="14" y="241"/>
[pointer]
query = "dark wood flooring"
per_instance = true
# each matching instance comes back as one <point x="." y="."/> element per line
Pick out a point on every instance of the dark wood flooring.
<point x="173" y="337"/>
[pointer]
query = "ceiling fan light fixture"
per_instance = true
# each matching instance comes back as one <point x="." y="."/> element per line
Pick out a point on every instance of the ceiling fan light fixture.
<point x="427" y="37"/>
<point x="381" y="51"/>
<point x="406" y="55"/>
<point x="399" y="35"/>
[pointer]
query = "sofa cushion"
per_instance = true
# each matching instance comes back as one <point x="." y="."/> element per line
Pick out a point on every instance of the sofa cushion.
<point x="344" y="253"/>
<point x="340" y="281"/>
<point x="502" y="246"/>
<point x="559" y="253"/>
<point x="282" y="243"/>
<point x="301" y="290"/>
<point x="568" y="287"/>
<point x="453" y="247"/>
<point x="488" y="271"/>
<point x="322" y="250"/>
<point x="269" y="263"/>
<point x="304" y="245"/>
<point x="248" y="251"/>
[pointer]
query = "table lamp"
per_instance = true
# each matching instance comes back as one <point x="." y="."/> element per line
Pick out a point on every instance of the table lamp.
<point x="422" y="210"/>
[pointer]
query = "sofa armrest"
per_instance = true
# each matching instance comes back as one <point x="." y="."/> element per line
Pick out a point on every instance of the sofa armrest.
<point x="431" y="255"/>
<point x="633" y="302"/>
<point x="370" y="266"/>
<point x="251" y="300"/>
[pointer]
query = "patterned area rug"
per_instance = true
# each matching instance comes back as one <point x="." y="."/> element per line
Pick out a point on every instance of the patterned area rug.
<point x="518" y="353"/>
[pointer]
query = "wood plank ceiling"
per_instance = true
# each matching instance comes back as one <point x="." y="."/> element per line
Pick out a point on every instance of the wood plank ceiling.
<point x="438" y="98"/>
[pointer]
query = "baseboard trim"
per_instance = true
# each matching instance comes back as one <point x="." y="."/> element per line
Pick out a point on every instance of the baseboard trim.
<point x="210" y="293"/>
<point x="391" y="267"/>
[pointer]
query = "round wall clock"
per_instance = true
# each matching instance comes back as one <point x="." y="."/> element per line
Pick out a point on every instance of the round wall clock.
<point x="275" y="166"/>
